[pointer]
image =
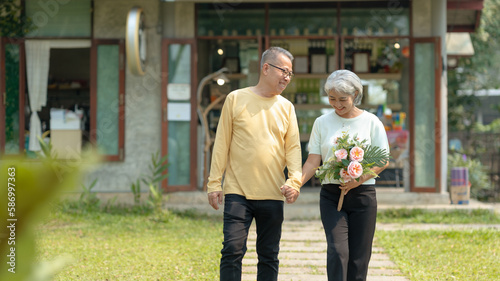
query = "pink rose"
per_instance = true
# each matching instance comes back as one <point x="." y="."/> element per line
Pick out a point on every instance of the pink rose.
<point x="344" y="176"/>
<point x="355" y="170"/>
<point x="357" y="154"/>
<point x="341" y="154"/>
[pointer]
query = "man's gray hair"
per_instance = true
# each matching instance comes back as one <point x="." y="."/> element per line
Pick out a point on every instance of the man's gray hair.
<point x="271" y="54"/>
<point x="345" y="82"/>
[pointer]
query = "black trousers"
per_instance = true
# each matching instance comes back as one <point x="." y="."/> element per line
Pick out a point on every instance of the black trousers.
<point x="349" y="232"/>
<point x="238" y="215"/>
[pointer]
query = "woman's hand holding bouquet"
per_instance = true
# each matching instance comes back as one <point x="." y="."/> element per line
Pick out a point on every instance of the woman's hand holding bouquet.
<point x="352" y="159"/>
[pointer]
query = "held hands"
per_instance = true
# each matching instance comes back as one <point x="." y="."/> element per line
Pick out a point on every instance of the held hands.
<point x="290" y="194"/>
<point x="215" y="199"/>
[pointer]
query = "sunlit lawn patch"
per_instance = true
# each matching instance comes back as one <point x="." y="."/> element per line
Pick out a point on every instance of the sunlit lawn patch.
<point x="132" y="246"/>
<point x="444" y="255"/>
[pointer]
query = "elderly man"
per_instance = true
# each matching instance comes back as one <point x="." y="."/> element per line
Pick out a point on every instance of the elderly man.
<point x="257" y="137"/>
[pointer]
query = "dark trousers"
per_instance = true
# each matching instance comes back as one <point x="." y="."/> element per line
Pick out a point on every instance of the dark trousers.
<point x="238" y="215"/>
<point x="349" y="232"/>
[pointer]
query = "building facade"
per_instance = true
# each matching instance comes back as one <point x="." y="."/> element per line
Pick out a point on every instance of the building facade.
<point x="137" y="78"/>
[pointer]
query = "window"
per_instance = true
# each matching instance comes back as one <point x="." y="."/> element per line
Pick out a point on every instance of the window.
<point x="303" y="19"/>
<point x="231" y="19"/>
<point x="375" y="18"/>
<point x="60" y="18"/>
<point x="107" y="98"/>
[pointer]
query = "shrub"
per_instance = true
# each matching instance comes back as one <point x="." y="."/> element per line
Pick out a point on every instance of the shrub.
<point x="478" y="174"/>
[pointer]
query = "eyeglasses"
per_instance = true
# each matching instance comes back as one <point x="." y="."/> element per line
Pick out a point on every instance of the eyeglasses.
<point x="285" y="72"/>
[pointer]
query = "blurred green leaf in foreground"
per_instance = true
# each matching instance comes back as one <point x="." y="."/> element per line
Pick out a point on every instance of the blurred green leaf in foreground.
<point x="26" y="189"/>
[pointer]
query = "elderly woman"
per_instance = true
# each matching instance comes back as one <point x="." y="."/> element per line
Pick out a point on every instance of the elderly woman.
<point x="349" y="232"/>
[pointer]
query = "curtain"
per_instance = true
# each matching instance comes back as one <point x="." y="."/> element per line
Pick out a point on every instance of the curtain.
<point x="37" y="71"/>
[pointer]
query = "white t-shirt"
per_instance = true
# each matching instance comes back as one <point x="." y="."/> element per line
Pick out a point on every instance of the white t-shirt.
<point x="328" y="127"/>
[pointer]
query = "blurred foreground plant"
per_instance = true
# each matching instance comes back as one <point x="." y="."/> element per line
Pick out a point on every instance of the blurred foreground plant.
<point x="28" y="187"/>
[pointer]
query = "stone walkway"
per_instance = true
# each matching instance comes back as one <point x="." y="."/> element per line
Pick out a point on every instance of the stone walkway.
<point x="303" y="256"/>
<point x="303" y="252"/>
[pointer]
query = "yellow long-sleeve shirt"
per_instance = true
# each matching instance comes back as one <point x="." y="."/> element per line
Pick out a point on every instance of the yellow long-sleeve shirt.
<point x="256" y="138"/>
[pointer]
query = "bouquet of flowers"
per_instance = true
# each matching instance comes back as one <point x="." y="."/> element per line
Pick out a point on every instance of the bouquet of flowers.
<point x="352" y="158"/>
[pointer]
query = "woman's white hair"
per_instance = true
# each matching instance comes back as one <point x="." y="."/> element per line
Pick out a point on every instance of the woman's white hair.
<point x="345" y="82"/>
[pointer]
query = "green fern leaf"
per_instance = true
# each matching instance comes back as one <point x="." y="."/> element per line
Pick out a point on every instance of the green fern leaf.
<point x="376" y="156"/>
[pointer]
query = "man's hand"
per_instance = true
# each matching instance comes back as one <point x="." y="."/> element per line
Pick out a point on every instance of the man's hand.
<point x="215" y="199"/>
<point x="290" y="194"/>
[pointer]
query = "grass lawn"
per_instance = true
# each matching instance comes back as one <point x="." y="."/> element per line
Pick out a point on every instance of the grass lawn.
<point x="444" y="255"/>
<point x="131" y="244"/>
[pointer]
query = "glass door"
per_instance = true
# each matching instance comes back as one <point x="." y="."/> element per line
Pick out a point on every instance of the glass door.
<point x="179" y="118"/>
<point x="424" y="116"/>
